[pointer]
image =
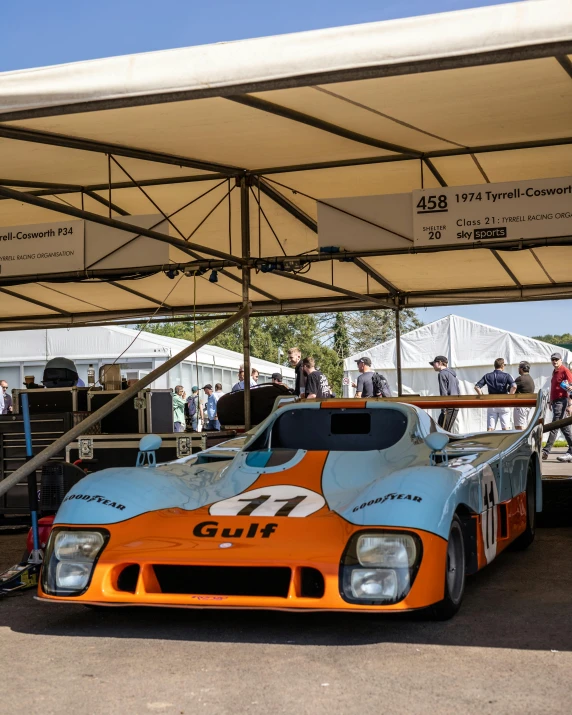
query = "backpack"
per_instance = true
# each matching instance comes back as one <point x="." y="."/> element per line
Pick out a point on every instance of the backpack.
<point x="192" y="406"/>
<point x="380" y="385"/>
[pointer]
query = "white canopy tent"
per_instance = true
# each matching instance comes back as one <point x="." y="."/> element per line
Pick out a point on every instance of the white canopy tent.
<point x="26" y="353"/>
<point x="238" y="143"/>
<point x="471" y="348"/>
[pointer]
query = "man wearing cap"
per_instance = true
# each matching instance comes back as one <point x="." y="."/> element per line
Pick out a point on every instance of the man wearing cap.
<point x="559" y="400"/>
<point x="277" y="378"/>
<point x="212" y="416"/>
<point x="448" y="385"/>
<point x="498" y="382"/>
<point x="364" y="384"/>
<point x="524" y="385"/>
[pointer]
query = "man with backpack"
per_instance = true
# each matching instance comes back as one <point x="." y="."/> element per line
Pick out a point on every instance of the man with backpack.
<point x="370" y="383"/>
<point x="193" y="407"/>
<point x="448" y="385"/>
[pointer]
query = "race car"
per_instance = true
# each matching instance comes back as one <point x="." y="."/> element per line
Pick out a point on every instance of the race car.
<point x="347" y="505"/>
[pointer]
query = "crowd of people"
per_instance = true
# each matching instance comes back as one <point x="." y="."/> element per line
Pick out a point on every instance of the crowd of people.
<point x="202" y="413"/>
<point x="499" y="382"/>
<point x="311" y="382"/>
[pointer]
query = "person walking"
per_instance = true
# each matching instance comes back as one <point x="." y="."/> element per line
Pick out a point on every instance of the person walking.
<point x="559" y="404"/>
<point x="212" y="416"/>
<point x="316" y="382"/>
<point x="524" y="386"/>
<point x="498" y="382"/>
<point x="179" y="408"/>
<point x="194" y="408"/>
<point x="295" y="360"/>
<point x="448" y="385"/>
<point x="364" y="385"/>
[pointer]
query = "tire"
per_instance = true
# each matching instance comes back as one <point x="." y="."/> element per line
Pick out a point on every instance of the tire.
<point x="527" y="537"/>
<point x="454" y="575"/>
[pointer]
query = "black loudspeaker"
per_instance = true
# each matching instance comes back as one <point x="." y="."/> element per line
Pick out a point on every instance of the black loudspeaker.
<point x="57" y="480"/>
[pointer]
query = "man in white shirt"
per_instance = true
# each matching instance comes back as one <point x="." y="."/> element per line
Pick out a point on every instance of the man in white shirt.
<point x="240" y="384"/>
<point x="1" y="401"/>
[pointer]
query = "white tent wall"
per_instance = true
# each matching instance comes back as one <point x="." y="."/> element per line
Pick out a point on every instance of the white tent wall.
<point x="26" y="353"/>
<point x="471" y="348"/>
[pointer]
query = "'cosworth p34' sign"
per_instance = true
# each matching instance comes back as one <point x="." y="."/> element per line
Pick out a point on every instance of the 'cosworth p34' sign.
<point x="539" y="208"/>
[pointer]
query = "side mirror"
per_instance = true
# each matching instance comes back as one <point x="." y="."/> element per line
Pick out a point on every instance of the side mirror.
<point x="148" y="445"/>
<point x="437" y="441"/>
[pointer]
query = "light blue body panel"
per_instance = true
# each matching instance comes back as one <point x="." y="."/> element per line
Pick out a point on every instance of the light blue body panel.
<point x="394" y="487"/>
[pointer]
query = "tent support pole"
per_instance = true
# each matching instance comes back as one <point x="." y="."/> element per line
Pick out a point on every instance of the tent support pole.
<point x="245" y="235"/>
<point x="398" y="351"/>
<point x="61" y="443"/>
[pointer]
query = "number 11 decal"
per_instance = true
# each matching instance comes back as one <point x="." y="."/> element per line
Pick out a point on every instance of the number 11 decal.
<point x="489" y="515"/>
<point x="276" y="500"/>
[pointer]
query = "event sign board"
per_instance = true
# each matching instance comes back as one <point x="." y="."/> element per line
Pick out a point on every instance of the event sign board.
<point x="42" y="248"/>
<point x="67" y="246"/>
<point x="540" y="208"/>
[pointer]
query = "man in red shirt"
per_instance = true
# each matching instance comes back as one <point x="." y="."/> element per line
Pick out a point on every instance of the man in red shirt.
<point x="559" y="399"/>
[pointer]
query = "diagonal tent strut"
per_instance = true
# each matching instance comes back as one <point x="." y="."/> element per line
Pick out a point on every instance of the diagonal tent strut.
<point x="186" y="246"/>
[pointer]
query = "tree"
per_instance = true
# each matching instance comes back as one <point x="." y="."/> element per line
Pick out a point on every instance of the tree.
<point x="328" y="338"/>
<point x="341" y="338"/>
<point x="564" y="340"/>
<point x="371" y="327"/>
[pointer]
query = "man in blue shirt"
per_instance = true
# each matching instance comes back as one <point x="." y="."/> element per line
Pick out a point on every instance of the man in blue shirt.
<point x="498" y="382"/>
<point x="212" y="416"/>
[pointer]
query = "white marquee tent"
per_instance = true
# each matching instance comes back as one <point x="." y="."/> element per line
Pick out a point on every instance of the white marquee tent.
<point x="26" y="353"/>
<point x="471" y="348"/>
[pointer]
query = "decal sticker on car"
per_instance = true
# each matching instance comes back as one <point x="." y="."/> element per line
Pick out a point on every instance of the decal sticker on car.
<point x="385" y="497"/>
<point x="98" y="498"/>
<point x="208" y="529"/>
<point x="489" y="518"/>
<point x="275" y="500"/>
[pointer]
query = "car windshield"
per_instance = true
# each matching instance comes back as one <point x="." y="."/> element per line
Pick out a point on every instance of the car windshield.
<point x="345" y="430"/>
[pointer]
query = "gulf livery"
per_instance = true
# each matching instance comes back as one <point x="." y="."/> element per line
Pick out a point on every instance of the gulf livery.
<point x="347" y="505"/>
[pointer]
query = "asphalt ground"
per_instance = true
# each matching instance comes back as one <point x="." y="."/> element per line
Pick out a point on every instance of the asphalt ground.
<point x="509" y="649"/>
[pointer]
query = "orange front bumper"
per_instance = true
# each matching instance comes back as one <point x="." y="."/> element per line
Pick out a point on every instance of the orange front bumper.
<point x="316" y="542"/>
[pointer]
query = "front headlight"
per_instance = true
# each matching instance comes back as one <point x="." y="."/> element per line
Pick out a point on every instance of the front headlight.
<point x="69" y="560"/>
<point x="77" y="545"/>
<point x="389" y="551"/>
<point x="379" y="567"/>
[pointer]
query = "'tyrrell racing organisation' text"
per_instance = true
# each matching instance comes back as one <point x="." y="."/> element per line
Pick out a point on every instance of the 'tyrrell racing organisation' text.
<point x="510" y="211"/>
<point x="42" y="248"/>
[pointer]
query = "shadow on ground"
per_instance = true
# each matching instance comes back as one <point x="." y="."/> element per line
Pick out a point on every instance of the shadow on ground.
<point x="521" y="601"/>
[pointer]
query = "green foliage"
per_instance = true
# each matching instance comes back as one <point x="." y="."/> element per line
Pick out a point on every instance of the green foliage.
<point x="372" y="327"/>
<point x="328" y="338"/>
<point x="270" y="338"/>
<point x="564" y="340"/>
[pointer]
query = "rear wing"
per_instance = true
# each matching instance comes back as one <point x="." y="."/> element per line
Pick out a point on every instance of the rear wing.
<point x="430" y="402"/>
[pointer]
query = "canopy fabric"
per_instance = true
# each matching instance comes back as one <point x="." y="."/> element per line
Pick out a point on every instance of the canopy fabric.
<point x="471" y="348"/>
<point x="461" y="98"/>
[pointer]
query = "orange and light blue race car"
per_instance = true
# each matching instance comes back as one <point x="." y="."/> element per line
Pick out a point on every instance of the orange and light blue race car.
<point x="347" y="505"/>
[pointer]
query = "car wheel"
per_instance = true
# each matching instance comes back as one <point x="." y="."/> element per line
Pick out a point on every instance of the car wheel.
<point x="527" y="537"/>
<point x="454" y="575"/>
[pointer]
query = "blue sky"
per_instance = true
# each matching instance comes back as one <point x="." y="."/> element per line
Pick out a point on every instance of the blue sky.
<point x="47" y="33"/>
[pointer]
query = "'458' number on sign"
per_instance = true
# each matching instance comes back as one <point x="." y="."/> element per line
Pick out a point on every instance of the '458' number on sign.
<point x="432" y="204"/>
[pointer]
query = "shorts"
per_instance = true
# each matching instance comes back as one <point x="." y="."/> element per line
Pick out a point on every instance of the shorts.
<point x="521" y="416"/>
<point x="494" y="414"/>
